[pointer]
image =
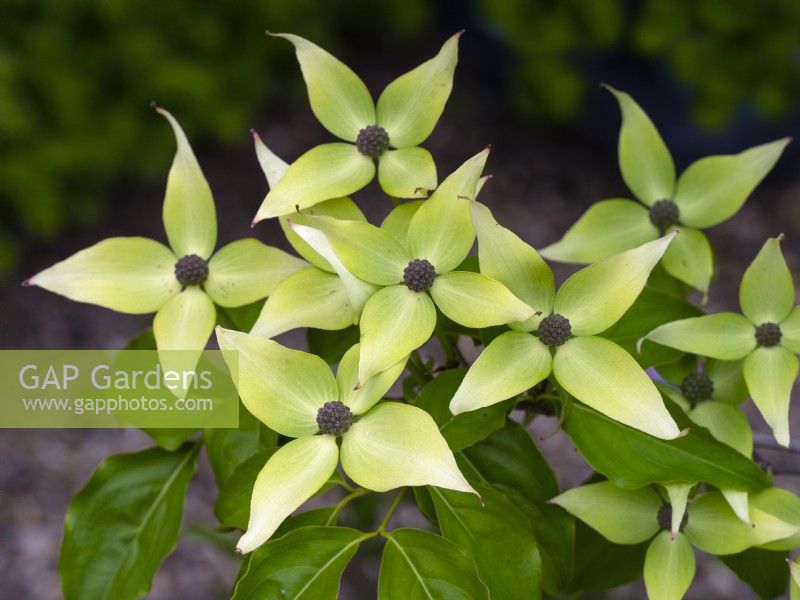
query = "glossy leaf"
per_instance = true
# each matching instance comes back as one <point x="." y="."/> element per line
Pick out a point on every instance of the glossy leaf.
<point x="644" y="159"/>
<point x="232" y="508"/>
<point x="601" y="374"/>
<point x="506" y="258"/>
<point x="283" y="388"/>
<point x="396" y="445"/>
<point x="690" y="258"/>
<point x="595" y="298"/>
<point x="600" y="564"/>
<point x="728" y="378"/>
<point x="714" y="188"/>
<point x="407" y="172"/>
<point x="767" y="290"/>
<point x="305" y="564"/>
<point x="632" y="459"/>
<point x="247" y="270"/>
<point x="497" y="535"/>
<point x="463" y="430"/>
<point x="669" y="567"/>
<point x="309" y="298"/>
<point x="606" y="228"/>
<point x="338" y="97"/>
<point x="410" y="106"/>
<point x="394" y="313"/>
<point x="510" y="462"/>
<point x="770" y="374"/>
<point x="475" y="300"/>
<point x="124" y="522"/>
<point x="762" y="570"/>
<point x="511" y="364"/>
<point x="190" y="217"/>
<point x="441" y="230"/>
<point x="424" y="566"/>
<point x="724" y="336"/>
<point x="291" y="476"/>
<point x="131" y="275"/>
<point x="324" y="172"/>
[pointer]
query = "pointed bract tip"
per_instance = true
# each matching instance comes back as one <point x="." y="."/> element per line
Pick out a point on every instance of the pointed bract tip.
<point x="683" y="433"/>
<point x="357" y="386"/>
<point x="28" y="282"/>
<point x="254" y="133"/>
<point x="673" y="534"/>
<point x="488" y="148"/>
<point x="254" y="222"/>
<point x="153" y="104"/>
<point x="238" y="551"/>
<point x="458" y="34"/>
<point x="781" y="237"/>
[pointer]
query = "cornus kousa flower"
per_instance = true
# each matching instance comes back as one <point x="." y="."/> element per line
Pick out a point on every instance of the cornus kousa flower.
<point x="767" y="337"/>
<point x="709" y="192"/>
<point x="325" y="295"/>
<point x="180" y="283"/>
<point x="563" y="339"/>
<point x="416" y="272"/>
<point x="384" y="445"/>
<point x="387" y="133"/>
<point x="709" y="397"/>
<point x="633" y="516"/>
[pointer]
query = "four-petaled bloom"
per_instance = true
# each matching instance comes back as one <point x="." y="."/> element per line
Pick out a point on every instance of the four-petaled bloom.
<point x="414" y="266"/>
<point x="593" y="369"/>
<point x="181" y="283"/>
<point x="709" y="192"/>
<point x="633" y="516"/>
<point x="767" y="337"/>
<point x="389" y="132"/>
<point x="384" y="445"/>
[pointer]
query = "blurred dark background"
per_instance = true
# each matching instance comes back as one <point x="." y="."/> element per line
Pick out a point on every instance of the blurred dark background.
<point x="82" y="157"/>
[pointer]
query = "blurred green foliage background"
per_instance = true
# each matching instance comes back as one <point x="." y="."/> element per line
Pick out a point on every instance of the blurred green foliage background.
<point x="77" y="76"/>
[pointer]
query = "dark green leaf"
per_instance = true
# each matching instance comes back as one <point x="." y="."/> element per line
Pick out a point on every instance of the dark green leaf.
<point x="232" y="507"/>
<point x="123" y="523"/>
<point x="425" y="503"/>
<point x="651" y="309"/>
<point x="304" y="564"/>
<point x="762" y="570"/>
<point x="633" y="459"/>
<point x="510" y="462"/>
<point x="600" y="564"/>
<point x="240" y="318"/>
<point x="228" y="448"/>
<point x="322" y="517"/>
<point x="170" y="439"/>
<point x="331" y="345"/>
<point x="497" y="535"/>
<point x="144" y="340"/>
<point x="419" y="565"/>
<point x="467" y="428"/>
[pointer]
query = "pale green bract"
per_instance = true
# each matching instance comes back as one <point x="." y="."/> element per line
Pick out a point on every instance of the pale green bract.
<point x="397" y="320"/>
<point x="389" y="445"/>
<point x="710" y="191"/>
<point x="407" y="111"/>
<point x="137" y="275"/>
<point x="593" y="369"/>
<point x="766" y="296"/>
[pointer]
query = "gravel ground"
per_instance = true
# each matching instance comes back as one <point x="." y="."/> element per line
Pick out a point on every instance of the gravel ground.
<point x="543" y="180"/>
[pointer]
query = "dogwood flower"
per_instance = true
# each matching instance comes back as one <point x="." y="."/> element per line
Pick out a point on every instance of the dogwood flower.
<point x="564" y="338"/>
<point x="388" y="133"/>
<point x="633" y="516"/>
<point x="767" y="337"/>
<point x="709" y="191"/>
<point x="416" y="272"/>
<point x="384" y="445"/>
<point x="182" y="282"/>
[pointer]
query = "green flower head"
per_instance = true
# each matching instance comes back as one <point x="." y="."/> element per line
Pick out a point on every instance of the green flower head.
<point x="413" y="259"/>
<point x="708" y="192"/>
<point x="562" y="338"/>
<point x="634" y="516"/>
<point x="388" y="133"/>
<point x="180" y="283"/>
<point x="384" y="445"/>
<point x="766" y="337"/>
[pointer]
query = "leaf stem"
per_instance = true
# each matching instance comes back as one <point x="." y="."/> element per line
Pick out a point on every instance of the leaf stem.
<point x="337" y="509"/>
<point x="390" y="513"/>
